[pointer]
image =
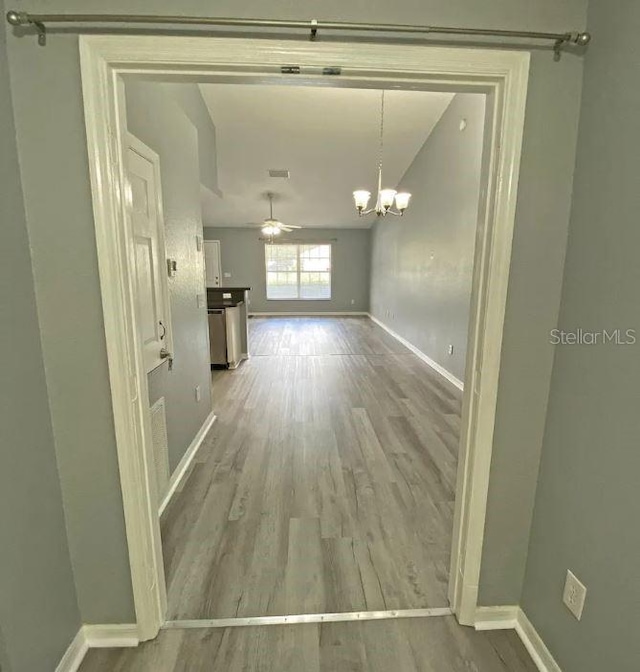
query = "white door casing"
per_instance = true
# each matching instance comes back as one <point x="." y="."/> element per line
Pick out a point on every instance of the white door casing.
<point x="212" y="263"/>
<point x="501" y="74"/>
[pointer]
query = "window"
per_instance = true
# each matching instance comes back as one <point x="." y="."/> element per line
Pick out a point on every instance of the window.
<point x="298" y="271"/>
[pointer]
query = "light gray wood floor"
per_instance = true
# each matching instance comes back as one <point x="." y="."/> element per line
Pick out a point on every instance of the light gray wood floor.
<point x="409" y="645"/>
<point x="326" y="485"/>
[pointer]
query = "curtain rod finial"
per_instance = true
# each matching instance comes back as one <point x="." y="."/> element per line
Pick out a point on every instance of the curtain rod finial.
<point x="582" y="39"/>
<point x="17" y="18"/>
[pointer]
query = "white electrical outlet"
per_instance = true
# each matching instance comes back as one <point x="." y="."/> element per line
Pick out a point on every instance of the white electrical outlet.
<point x="353" y="301"/>
<point x="574" y="595"/>
<point x="198" y="393"/>
<point x="450" y="348"/>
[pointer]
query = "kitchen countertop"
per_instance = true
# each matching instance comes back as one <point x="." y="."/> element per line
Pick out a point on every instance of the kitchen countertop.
<point x="228" y="289"/>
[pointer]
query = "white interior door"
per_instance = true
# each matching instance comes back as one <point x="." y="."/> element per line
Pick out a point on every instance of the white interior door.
<point x="212" y="265"/>
<point x="150" y="263"/>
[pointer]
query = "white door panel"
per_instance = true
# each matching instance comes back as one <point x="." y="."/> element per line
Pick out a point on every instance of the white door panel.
<point x="148" y="238"/>
<point x="213" y="272"/>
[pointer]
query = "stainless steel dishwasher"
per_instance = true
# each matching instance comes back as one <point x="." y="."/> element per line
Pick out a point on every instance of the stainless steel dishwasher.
<point x="224" y="336"/>
<point x="217" y="337"/>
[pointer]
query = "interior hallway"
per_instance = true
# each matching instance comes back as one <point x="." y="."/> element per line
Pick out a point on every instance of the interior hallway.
<point x="326" y="485"/>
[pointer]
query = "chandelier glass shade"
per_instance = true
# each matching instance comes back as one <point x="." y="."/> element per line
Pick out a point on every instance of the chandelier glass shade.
<point x="385" y="197"/>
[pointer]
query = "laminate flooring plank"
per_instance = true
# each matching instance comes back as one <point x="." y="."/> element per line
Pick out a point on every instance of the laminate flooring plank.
<point x="327" y="482"/>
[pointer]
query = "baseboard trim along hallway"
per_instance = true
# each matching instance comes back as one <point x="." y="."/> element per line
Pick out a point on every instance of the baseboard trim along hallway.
<point x="110" y="635"/>
<point x="534" y="644"/>
<point x="497" y="618"/>
<point x="425" y="358"/>
<point x="346" y="313"/>
<point x="74" y="655"/>
<point x="184" y="464"/>
<point x="338" y="617"/>
<point x="513" y="618"/>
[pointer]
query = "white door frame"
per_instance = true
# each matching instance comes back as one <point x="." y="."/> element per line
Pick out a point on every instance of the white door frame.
<point x="503" y="75"/>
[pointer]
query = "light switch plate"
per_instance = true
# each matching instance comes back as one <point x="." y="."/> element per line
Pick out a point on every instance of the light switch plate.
<point x="574" y="595"/>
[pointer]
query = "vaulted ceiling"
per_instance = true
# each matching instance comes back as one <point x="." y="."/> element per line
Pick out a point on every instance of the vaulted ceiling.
<point x="327" y="138"/>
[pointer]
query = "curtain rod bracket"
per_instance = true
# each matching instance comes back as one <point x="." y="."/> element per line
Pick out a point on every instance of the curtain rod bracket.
<point x="42" y="33"/>
<point x="557" y="49"/>
<point x="23" y="19"/>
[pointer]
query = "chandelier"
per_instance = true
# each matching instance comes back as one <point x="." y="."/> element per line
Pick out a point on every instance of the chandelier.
<point x="386" y="197"/>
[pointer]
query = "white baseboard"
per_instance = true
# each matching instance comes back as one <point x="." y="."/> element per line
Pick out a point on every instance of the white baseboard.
<point x="75" y="654"/>
<point x="305" y="313"/>
<point x="111" y="635"/>
<point x="496" y="618"/>
<point x="425" y="358"/>
<point x="97" y="637"/>
<point x="537" y="649"/>
<point x="513" y="618"/>
<point x="185" y="462"/>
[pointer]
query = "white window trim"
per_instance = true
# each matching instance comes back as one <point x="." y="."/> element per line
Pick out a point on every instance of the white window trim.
<point x="299" y="298"/>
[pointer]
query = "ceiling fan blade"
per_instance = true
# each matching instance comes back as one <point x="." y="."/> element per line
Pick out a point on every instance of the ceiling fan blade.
<point x="289" y="227"/>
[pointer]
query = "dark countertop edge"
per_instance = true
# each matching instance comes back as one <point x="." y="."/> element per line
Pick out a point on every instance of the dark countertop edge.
<point x="228" y="289"/>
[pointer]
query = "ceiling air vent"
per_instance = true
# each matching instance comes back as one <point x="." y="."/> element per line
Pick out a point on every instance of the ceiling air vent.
<point x="274" y="172"/>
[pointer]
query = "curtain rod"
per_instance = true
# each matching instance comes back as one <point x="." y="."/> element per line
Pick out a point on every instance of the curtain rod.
<point x="39" y="21"/>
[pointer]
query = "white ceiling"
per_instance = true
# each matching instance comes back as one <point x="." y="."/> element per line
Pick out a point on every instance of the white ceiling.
<point x="326" y="137"/>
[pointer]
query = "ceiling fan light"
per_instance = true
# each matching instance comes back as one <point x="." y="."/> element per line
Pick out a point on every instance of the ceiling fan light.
<point x="270" y="230"/>
<point x="386" y="198"/>
<point x="402" y="200"/>
<point x="361" y="198"/>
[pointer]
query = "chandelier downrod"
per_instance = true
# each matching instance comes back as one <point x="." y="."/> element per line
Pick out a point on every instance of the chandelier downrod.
<point x="385" y="197"/>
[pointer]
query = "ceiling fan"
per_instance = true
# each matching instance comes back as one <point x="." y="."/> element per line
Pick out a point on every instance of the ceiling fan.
<point x="274" y="227"/>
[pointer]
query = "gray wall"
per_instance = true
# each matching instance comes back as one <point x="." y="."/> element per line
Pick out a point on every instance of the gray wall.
<point x="51" y="143"/>
<point x="587" y="505"/>
<point x="422" y="263"/>
<point x="38" y="607"/>
<point x="190" y="100"/>
<point x="155" y="117"/>
<point x="242" y="255"/>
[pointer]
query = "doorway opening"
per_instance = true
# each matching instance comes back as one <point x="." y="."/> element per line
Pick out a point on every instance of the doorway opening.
<point x="500" y="76"/>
